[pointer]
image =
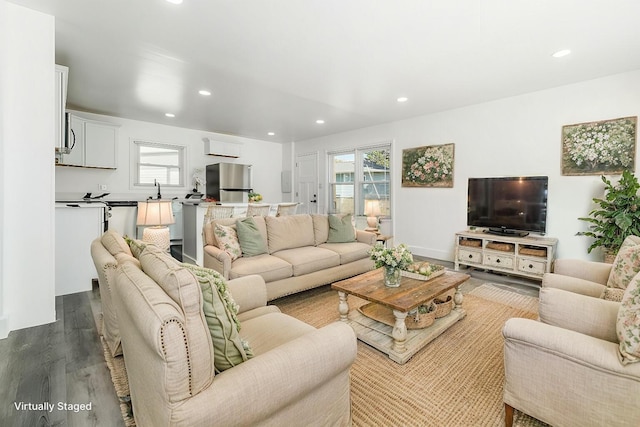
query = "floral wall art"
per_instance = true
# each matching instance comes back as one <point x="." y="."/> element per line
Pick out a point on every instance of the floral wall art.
<point x="429" y="166"/>
<point x="604" y="147"/>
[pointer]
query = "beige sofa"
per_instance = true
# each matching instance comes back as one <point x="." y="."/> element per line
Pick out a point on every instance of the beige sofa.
<point x="299" y="256"/>
<point x="299" y="375"/>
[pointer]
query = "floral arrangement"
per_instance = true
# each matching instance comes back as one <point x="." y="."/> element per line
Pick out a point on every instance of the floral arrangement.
<point x="398" y="257"/>
<point x="197" y="179"/>
<point x="254" y="197"/>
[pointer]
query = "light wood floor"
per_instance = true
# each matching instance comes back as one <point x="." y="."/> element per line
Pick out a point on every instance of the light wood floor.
<point x="63" y="362"/>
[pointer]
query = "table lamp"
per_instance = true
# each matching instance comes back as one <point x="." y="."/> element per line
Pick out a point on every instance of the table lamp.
<point x="156" y="215"/>
<point x="372" y="211"/>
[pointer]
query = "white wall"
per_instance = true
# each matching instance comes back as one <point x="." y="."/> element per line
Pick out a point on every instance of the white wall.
<point x="27" y="270"/>
<point x="266" y="158"/>
<point x="508" y="137"/>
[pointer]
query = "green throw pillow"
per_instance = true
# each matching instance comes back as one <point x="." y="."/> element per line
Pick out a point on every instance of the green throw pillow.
<point x="251" y="241"/>
<point x="220" y="311"/>
<point x="340" y="229"/>
<point x="136" y="246"/>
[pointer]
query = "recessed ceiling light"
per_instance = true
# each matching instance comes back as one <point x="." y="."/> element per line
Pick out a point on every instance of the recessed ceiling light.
<point x="403" y="99"/>
<point x="169" y="114"/>
<point x="204" y="92"/>
<point x="175" y="1"/>
<point x="271" y="133"/>
<point x="561" y="53"/>
<point x="320" y="121"/>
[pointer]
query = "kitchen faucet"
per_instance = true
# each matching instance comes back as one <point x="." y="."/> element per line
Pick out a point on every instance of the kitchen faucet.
<point x="156" y="183"/>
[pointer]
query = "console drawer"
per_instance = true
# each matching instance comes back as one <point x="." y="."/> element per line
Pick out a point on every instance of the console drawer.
<point x="532" y="266"/>
<point x="469" y="256"/>
<point x="501" y="261"/>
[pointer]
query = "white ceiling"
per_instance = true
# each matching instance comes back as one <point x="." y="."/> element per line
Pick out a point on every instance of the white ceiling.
<point x="278" y="65"/>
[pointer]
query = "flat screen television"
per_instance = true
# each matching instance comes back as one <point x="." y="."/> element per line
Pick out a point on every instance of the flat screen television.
<point x="510" y="205"/>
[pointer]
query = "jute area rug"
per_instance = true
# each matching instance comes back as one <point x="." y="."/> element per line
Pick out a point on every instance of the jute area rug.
<point x="456" y="380"/>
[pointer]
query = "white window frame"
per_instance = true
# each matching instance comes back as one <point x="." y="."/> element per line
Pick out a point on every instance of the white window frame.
<point x="358" y="173"/>
<point x="135" y="162"/>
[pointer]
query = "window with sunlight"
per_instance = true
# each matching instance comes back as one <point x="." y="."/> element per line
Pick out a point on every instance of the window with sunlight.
<point x="162" y="163"/>
<point x="360" y="182"/>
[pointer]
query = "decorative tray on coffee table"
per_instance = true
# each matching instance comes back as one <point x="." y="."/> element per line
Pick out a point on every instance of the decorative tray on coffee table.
<point x="423" y="271"/>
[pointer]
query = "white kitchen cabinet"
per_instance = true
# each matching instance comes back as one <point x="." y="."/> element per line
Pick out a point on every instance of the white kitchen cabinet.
<point x="94" y="144"/>
<point x="77" y="225"/>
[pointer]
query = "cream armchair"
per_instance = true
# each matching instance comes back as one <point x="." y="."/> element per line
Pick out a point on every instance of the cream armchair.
<point x="578" y="276"/>
<point x="594" y="278"/>
<point x="564" y="369"/>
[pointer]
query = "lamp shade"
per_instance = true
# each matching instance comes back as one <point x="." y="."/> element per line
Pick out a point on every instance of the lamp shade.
<point x="155" y="212"/>
<point x="372" y="207"/>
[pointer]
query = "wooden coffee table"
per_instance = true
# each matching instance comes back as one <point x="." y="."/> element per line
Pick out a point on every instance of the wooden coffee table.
<point x="397" y="342"/>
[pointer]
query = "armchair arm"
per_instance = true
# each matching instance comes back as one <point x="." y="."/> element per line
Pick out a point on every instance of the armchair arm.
<point x="249" y="292"/>
<point x="217" y="259"/>
<point x="270" y="382"/>
<point x="588" y="270"/>
<point x="586" y="315"/>
<point x="572" y="284"/>
<point x="366" y="237"/>
<point x="563" y="377"/>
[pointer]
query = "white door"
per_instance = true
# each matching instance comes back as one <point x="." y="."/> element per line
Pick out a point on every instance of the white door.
<point x="307" y="183"/>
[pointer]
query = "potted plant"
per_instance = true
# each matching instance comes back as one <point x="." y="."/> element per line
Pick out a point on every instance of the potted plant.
<point x="616" y="216"/>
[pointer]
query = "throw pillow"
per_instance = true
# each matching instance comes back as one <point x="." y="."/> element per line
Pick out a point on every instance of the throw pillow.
<point x="341" y="229"/>
<point x="612" y="294"/>
<point x="628" y="323"/>
<point x="137" y="246"/>
<point x="220" y="311"/>
<point x="251" y="241"/>
<point x="625" y="266"/>
<point x="228" y="240"/>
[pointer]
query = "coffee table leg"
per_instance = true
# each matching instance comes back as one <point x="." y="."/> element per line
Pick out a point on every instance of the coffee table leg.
<point x="399" y="333"/>
<point x="343" y="306"/>
<point x="457" y="298"/>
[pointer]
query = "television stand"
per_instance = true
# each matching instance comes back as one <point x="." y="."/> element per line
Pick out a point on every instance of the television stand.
<point x="529" y="256"/>
<point x="506" y="232"/>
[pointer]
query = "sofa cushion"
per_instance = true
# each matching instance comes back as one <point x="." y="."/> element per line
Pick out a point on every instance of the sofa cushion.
<point x="320" y="228"/>
<point x="341" y="229"/>
<point x="625" y="266"/>
<point x="349" y="252"/>
<point x="288" y="232"/>
<point x="227" y="240"/>
<point x="114" y="243"/>
<point x="251" y="239"/>
<point x="221" y="312"/>
<point x="309" y="259"/>
<point x="208" y="228"/>
<point x="272" y="330"/>
<point x="628" y="323"/>
<point x="182" y="287"/>
<point x="271" y="268"/>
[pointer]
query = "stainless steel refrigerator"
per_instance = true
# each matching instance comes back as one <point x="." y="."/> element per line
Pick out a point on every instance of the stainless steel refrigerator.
<point x="228" y="182"/>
